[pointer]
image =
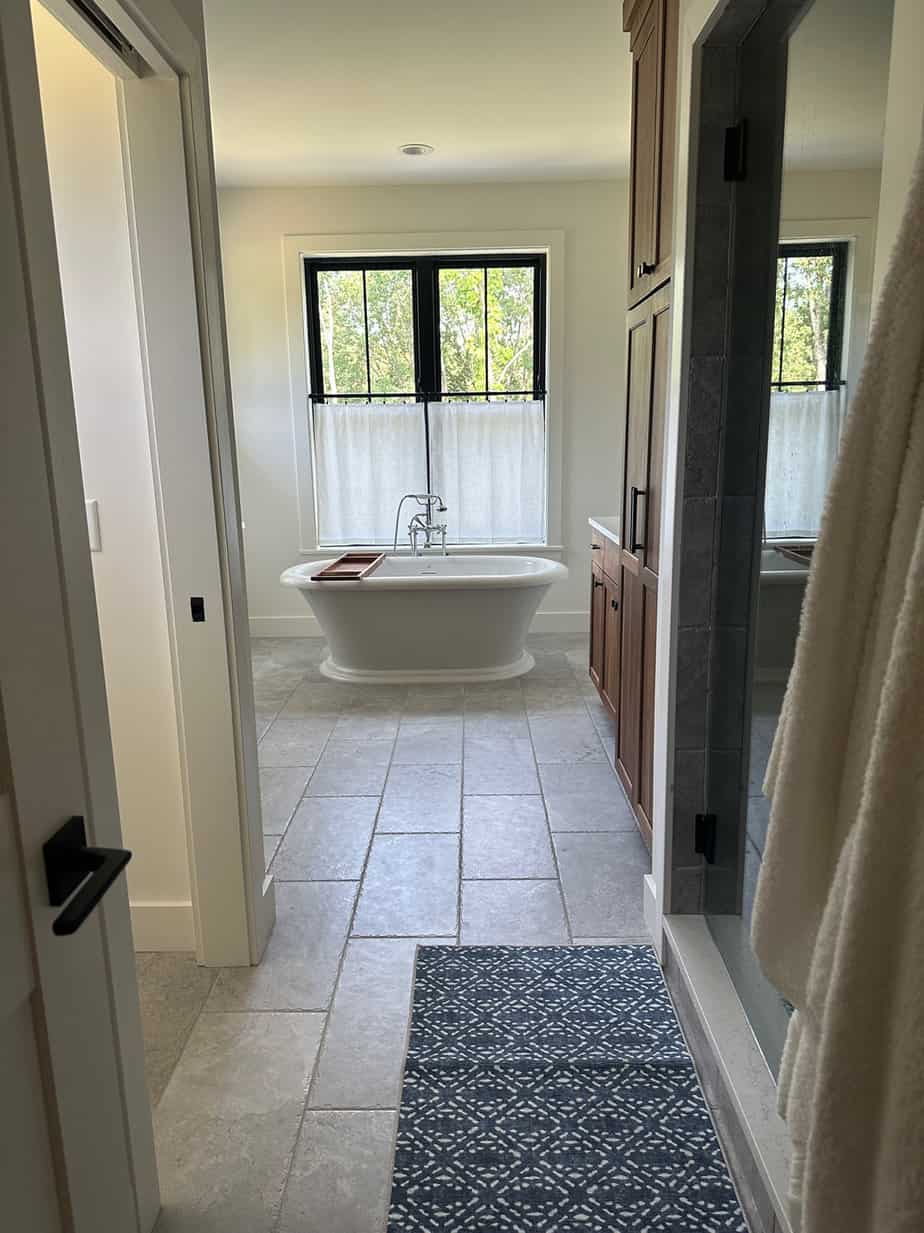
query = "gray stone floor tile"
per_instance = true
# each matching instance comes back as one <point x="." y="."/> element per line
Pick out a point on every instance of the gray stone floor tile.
<point x="493" y="725"/>
<point x="513" y="914"/>
<point x="173" y="990"/>
<point x="362" y="1058"/>
<point x="281" y="789"/>
<point x="270" y="845"/>
<point x="351" y="768"/>
<point x="585" y="796"/>
<point x="227" y="1124"/>
<point x="341" y="1174"/>
<point x="566" y="738"/>
<point x="299" y="967"/>
<point x="367" y="726"/>
<point x="601" y="877"/>
<point x="429" y="740"/>
<point x="421" y="798"/>
<point x="506" y="837"/>
<point x="328" y="838"/>
<point x="295" y="742"/>
<point x="410" y="887"/>
<point x="500" y="766"/>
<point x="316" y="698"/>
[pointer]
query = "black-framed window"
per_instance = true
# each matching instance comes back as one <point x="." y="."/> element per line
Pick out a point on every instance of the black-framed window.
<point x="428" y="373"/>
<point x="808" y="324"/>
<point x="427" y="328"/>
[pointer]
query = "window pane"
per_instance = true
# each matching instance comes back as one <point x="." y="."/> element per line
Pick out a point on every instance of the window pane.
<point x="462" y="352"/>
<point x="806" y="320"/>
<point x="510" y="328"/>
<point x="343" y="331"/>
<point x="390" y="307"/>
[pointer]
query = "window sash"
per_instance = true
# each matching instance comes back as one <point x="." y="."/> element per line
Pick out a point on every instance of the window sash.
<point x="837" y="251"/>
<point x="425" y="310"/>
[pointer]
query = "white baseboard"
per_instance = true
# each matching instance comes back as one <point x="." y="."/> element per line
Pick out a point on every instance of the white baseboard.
<point x="163" y="926"/>
<point x="307" y="626"/>
<point x="652" y="915"/>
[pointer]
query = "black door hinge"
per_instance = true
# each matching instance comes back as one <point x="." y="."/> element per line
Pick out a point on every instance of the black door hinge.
<point x="736" y="148"/>
<point x="704" y="833"/>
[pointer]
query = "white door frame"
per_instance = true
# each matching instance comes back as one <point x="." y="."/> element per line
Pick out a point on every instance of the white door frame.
<point x="174" y="230"/>
<point x="51" y="672"/>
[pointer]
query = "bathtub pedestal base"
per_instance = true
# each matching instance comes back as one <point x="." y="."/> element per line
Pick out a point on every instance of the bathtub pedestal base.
<point x="426" y="676"/>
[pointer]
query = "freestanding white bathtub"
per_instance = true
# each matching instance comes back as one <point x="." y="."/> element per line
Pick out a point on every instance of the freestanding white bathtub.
<point x="420" y="619"/>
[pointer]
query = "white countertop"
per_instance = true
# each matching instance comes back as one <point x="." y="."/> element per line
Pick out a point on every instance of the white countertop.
<point x="609" y="527"/>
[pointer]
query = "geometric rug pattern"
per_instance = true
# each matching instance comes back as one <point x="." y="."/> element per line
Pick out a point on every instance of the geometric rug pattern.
<point x="549" y="1090"/>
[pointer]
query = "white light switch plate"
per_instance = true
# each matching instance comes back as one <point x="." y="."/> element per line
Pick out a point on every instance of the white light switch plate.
<point x="96" y="543"/>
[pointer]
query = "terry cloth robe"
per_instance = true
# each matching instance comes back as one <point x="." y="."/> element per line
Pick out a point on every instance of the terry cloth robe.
<point x="838" y="923"/>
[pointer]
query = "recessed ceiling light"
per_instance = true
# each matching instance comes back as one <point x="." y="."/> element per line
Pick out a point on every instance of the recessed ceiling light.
<point x="415" y="149"/>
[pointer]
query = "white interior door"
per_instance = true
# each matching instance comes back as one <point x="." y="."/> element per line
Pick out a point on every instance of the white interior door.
<point x="27" y="1173"/>
<point x="58" y="749"/>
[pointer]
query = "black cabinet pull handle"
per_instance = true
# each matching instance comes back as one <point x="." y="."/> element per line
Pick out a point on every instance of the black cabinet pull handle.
<point x="69" y="864"/>
<point x="596" y="583"/>
<point x="614" y="604"/>
<point x="643" y="268"/>
<point x="595" y="547"/>
<point x="634" y="544"/>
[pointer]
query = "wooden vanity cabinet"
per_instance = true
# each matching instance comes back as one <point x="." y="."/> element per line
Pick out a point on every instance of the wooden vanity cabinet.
<point x="597" y="625"/>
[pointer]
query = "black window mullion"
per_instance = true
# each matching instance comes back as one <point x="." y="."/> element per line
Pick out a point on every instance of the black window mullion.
<point x="487" y="372"/>
<point x="783" y="318"/>
<point x="366" y="334"/>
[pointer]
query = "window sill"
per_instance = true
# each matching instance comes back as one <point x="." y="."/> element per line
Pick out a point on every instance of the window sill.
<point x="552" y="551"/>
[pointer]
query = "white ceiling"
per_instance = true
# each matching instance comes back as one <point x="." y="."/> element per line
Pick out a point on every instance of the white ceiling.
<point x="836" y="87"/>
<point x="324" y="92"/>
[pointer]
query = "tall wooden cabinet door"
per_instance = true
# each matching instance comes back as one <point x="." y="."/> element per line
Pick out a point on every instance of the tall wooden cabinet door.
<point x="643" y="810"/>
<point x="597" y="626"/>
<point x="611" y="647"/>
<point x="628" y="734"/>
<point x="664" y="219"/>
<point x="645" y="43"/>
<point x="638" y="410"/>
<point x="659" y="307"/>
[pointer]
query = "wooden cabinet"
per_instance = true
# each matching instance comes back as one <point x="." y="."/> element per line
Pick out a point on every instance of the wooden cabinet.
<point x="605" y="650"/>
<point x="597" y="626"/>
<point x="652" y="26"/>
<point x="646" y="405"/>
<point x="612" y="651"/>
<point x="624" y="601"/>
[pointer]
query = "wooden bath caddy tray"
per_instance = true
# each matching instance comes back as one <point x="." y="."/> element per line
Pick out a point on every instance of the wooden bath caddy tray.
<point x="350" y="567"/>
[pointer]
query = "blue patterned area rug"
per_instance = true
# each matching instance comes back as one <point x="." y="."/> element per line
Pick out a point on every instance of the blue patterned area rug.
<point x="549" y="1090"/>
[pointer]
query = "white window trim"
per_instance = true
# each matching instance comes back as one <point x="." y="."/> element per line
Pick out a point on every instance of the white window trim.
<point x="296" y="248"/>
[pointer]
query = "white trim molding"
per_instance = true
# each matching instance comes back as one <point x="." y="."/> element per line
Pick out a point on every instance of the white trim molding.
<point x="295" y="248"/>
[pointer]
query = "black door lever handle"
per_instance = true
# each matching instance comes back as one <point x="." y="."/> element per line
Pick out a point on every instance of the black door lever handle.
<point x="69" y="864"/>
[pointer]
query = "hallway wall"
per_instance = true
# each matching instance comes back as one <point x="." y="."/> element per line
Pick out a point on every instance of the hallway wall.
<point x="85" y="162"/>
<point x="592" y="216"/>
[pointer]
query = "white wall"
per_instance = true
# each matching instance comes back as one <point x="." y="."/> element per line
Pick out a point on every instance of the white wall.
<point x="904" y="114"/>
<point x="85" y="162"/>
<point x="254" y="221"/>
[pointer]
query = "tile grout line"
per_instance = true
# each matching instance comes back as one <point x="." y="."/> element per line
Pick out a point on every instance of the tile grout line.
<point x="548" y="827"/>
